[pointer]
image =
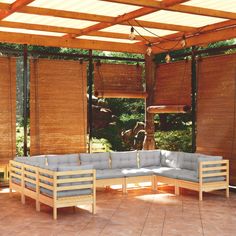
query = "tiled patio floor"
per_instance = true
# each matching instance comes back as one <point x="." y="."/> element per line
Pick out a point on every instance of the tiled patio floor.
<point x="141" y="212"/>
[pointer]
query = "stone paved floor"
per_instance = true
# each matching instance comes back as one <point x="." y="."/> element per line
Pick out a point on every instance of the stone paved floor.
<point x="140" y="213"/>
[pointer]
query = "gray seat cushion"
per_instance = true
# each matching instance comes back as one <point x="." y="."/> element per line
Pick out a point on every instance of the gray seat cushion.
<point x="192" y="176"/>
<point x="132" y="172"/>
<point x="99" y="161"/>
<point x="188" y="175"/>
<point x="121" y="160"/>
<point x="109" y="174"/>
<point x="169" y="159"/>
<point x="166" y="172"/>
<point x="149" y="158"/>
<point x="68" y="193"/>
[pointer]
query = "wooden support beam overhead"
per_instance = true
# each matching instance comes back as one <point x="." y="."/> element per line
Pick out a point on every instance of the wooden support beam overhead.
<point x="117" y="20"/>
<point x="15" y="6"/>
<point x="205" y="38"/>
<point x="53" y="41"/>
<point x="201" y="30"/>
<point x="179" y="8"/>
<point x="169" y="3"/>
<point x="96" y="18"/>
<point x="66" y="30"/>
<point x="157" y="25"/>
<point x="60" y="13"/>
<point x="126" y="17"/>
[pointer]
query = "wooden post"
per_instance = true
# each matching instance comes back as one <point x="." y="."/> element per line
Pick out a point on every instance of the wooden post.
<point x="193" y="94"/>
<point x="90" y="81"/>
<point x="25" y="96"/>
<point x="149" y="142"/>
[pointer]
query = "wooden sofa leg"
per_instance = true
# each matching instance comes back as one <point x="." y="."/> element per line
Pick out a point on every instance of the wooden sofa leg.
<point x="177" y="190"/>
<point x="154" y="183"/>
<point x="37" y="206"/>
<point x="124" y="186"/>
<point x="200" y="195"/>
<point x="94" y="208"/>
<point x="227" y="192"/>
<point x="54" y="213"/>
<point x="23" y="199"/>
<point x="10" y="192"/>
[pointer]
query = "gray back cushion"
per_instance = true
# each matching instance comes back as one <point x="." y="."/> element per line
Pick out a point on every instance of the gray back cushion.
<point x="32" y="160"/>
<point x="169" y="159"/>
<point x="149" y="158"/>
<point x="64" y="159"/>
<point x="188" y="161"/>
<point x="99" y="161"/>
<point x="124" y="159"/>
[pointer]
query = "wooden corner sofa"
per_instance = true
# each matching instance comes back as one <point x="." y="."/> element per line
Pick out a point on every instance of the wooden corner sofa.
<point x="70" y="180"/>
<point x="195" y="171"/>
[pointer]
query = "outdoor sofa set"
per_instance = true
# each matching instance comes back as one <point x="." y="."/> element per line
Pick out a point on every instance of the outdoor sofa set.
<point x="71" y="179"/>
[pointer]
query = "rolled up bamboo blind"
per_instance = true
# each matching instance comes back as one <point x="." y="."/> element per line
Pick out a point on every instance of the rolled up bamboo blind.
<point x="216" y="108"/>
<point x="118" y="80"/>
<point x="173" y="84"/>
<point x="7" y="109"/>
<point x="58" y="106"/>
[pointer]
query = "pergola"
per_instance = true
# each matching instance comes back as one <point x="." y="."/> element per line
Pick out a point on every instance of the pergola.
<point x="161" y="26"/>
<point x="105" y="25"/>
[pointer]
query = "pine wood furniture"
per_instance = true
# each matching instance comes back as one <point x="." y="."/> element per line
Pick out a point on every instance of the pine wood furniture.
<point x="54" y="188"/>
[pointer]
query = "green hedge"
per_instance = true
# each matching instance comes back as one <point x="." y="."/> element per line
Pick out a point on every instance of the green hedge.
<point x="177" y="140"/>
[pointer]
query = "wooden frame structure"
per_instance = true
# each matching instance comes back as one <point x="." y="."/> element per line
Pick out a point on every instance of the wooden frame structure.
<point x="107" y="27"/>
<point x="21" y="22"/>
<point x="206" y="169"/>
<point x="29" y="180"/>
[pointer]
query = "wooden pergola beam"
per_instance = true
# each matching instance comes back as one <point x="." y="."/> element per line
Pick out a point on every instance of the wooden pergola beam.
<point x="15" y="6"/>
<point x="66" y="30"/>
<point x="96" y="18"/>
<point x="178" y="8"/>
<point x="117" y="20"/>
<point x="204" y="38"/>
<point x="53" y="41"/>
<point x="168" y="3"/>
<point x="60" y="13"/>
<point x="126" y="17"/>
<point x="157" y="25"/>
<point x="201" y="30"/>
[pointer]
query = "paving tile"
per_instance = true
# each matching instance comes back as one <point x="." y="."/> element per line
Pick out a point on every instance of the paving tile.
<point x="140" y="213"/>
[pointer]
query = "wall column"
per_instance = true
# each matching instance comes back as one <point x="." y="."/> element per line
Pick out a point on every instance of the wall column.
<point x="193" y="93"/>
<point x="25" y="96"/>
<point x="149" y="142"/>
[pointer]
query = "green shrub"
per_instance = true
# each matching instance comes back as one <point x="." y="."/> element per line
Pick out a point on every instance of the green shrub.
<point x="177" y="140"/>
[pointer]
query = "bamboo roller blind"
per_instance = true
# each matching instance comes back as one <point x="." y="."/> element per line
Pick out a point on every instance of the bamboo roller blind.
<point x="173" y="84"/>
<point x="216" y="123"/>
<point x="117" y="80"/>
<point x="7" y="109"/>
<point x="58" y="102"/>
